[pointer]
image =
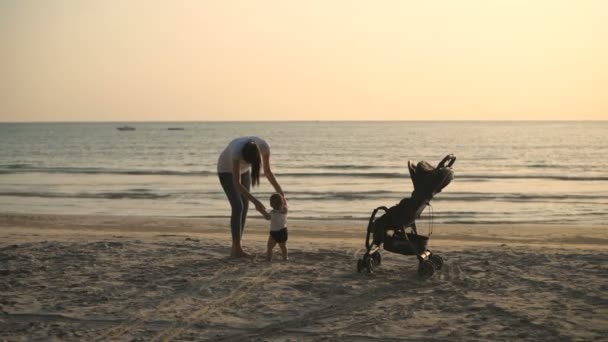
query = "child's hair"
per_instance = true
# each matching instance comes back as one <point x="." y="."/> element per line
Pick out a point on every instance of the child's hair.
<point x="251" y="154"/>
<point x="276" y="202"/>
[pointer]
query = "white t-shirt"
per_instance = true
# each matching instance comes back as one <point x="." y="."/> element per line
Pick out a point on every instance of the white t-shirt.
<point x="278" y="220"/>
<point x="234" y="152"/>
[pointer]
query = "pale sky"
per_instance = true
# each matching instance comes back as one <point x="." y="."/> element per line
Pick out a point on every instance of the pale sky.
<point x="152" y="60"/>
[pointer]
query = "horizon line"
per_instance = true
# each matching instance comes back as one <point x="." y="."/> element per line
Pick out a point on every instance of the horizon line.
<point x="286" y="121"/>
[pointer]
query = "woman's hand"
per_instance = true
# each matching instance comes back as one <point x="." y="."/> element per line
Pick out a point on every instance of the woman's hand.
<point x="260" y="207"/>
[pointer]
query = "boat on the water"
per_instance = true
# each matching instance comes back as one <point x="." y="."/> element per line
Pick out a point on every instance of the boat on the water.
<point x="125" y="128"/>
<point x="175" y="128"/>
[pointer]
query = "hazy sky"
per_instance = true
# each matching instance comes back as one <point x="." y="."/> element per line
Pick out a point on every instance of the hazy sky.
<point x="123" y="60"/>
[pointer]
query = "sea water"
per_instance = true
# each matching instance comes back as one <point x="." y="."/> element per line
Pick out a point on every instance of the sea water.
<point x="505" y="172"/>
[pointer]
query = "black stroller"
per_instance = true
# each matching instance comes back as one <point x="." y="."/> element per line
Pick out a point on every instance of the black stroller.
<point x="428" y="181"/>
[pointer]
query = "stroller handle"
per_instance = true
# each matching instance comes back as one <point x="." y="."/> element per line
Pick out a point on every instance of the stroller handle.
<point x="450" y="159"/>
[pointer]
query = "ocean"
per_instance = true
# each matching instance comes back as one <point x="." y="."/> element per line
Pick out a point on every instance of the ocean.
<point x="505" y="172"/>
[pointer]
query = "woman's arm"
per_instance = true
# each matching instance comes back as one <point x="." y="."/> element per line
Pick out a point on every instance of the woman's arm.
<point x="270" y="176"/>
<point x="285" y="208"/>
<point x="236" y="178"/>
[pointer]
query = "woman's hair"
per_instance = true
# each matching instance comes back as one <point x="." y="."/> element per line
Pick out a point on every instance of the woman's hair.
<point x="251" y="154"/>
<point x="276" y="202"/>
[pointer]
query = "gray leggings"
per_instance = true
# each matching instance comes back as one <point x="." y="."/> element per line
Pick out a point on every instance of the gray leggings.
<point x="238" y="202"/>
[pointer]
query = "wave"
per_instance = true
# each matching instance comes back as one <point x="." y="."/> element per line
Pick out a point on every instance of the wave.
<point x="344" y="167"/>
<point x="100" y="195"/>
<point x="389" y="175"/>
<point x="387" y="197"/>
<point x="15" y="166"/>
<point x="27" y="168"/>
<point x="423" y="223"/>
<point x="524" y="176"/>
<point x="393" y="197"/>
<point x="203" y="195"/>
<point x="342" y="195"/>
<point x="516" y="197"/>
<point x="344" y="174"/>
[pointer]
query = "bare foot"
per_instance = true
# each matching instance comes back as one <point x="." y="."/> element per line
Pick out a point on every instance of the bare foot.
<point x="240" y="255"/>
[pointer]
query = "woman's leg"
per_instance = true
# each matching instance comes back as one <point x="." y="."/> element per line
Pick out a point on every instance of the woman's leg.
<point x="246" y="182"/>
<point x="236" y="203"/>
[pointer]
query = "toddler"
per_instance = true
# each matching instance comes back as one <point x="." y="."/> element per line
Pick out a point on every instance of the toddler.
<point x="278" y="226"/>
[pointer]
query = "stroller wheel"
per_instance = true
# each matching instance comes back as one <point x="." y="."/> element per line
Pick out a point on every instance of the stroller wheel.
<point x="426" y="269"/>
<point x="377" y="259"/>
<point x="360" y="265"/>
<point x="437" y="261"/>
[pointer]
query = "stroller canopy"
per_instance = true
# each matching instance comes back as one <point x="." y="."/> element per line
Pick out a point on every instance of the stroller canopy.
<point x="428" y="180"/>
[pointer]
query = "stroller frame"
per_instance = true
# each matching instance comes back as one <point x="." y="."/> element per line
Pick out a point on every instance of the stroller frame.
<point x="401" y="220"/>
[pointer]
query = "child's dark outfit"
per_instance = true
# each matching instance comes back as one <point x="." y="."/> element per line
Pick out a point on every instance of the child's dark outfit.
<point x="278" y="225"/>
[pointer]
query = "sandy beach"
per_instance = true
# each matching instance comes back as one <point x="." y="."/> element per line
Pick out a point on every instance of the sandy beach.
<point x="112" y="278"/>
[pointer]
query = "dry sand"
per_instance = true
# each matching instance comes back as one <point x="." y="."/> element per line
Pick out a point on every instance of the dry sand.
<point x="104" y="278"/>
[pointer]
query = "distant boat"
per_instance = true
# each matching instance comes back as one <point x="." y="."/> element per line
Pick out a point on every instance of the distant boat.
<point x="175" y="128"/>
<point x="125" y="128"/>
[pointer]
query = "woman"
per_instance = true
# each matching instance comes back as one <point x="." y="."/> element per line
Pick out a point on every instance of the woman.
<point x="233" y="168"/>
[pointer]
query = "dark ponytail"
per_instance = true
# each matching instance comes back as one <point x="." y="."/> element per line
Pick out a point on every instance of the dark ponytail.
<point x="251" y="154"/>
